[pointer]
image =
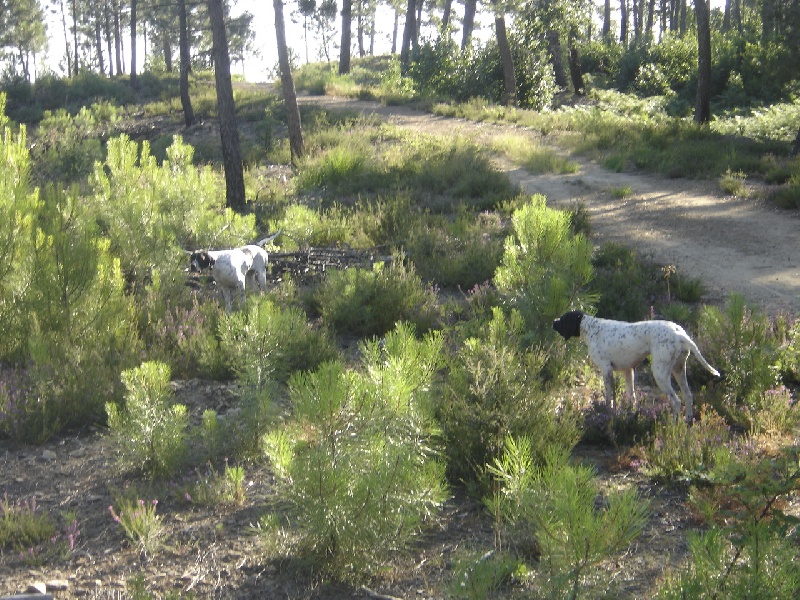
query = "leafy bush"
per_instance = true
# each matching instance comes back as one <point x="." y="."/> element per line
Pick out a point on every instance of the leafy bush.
<point x="493" y="390"/>
<point x="269" y="342"/>
<point x="369" y="302"/>
<point x="356" y="461"/>
<point x="149" y="431"/>
<point x="557" y="502"/>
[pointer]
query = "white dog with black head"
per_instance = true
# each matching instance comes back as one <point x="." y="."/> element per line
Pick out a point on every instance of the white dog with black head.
<point x="231" y="268"/>
<point x="620" y="346"/>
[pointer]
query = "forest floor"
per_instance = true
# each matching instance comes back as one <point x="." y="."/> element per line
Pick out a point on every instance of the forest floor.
<point x="733" y="244"/>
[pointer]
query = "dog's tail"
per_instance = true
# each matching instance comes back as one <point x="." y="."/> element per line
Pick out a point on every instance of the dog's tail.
<point x="267" y="240"/>
<point x="696" y="351"/>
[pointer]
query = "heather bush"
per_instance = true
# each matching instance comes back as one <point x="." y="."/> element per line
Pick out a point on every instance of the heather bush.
<point x="149" y="431"/>
<point x="679" y="451"/>
<point x="368" y="302"/>
<point x="356" y="462"/>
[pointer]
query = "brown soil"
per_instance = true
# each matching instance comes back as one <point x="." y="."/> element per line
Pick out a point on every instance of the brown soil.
<point x="734" y="245"/>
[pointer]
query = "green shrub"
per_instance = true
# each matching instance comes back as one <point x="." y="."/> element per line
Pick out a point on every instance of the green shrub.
<point x="269" y="342"/>
<point x="623" y="283"/>
<point x="739" y="343"/>
<point x="749" y="550"/>
<point x="356" y="462"/>
<point x="455" y="254"/>
<point x="369" y="302"/>
<point x="680" y="451"/>
<point x="494" y="390"/>
<point x="557" y="502"/>
<point x="544" y="267"/>
<point x="149" y="431"/>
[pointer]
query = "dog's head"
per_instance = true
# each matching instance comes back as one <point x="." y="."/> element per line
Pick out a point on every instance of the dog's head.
<point x="569" y="324"/>
<point x="199" y="261"/>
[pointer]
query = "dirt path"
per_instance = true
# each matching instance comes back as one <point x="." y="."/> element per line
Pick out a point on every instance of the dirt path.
<point x="732" y="244"/>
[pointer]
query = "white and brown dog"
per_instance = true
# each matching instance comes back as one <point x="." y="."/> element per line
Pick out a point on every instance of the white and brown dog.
<point x="619" y="346"/>
<point x="231" y="268"/>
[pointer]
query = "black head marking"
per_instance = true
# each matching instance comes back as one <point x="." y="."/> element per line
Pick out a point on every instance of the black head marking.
<point x="568" y="325"/>
<point x="200" y="260"/>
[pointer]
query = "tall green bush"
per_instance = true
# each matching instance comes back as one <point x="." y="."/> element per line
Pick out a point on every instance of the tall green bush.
<point x="545" y="267"/>
<point x="357" y="461"/>
<point x="268" y="342"/>
<point x="149" y="430"/>
<point x="493" y="389"/>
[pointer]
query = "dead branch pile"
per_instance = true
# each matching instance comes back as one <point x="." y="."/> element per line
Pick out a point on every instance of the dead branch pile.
<point x="303" y="265"/>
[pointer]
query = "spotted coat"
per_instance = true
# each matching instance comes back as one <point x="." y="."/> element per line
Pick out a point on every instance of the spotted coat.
<point x="620" y="346"/>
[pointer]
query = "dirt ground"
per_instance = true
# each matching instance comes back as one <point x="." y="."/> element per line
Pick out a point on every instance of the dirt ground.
<point x="734" y="245"/>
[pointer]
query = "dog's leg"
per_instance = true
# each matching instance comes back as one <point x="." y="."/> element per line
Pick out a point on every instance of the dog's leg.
<point x="683" y="383"/>
<point x="630" y="391"/>
<point x="663" y="377"/>
<point x="608" y="380"/>
<point x="226" y="296"/>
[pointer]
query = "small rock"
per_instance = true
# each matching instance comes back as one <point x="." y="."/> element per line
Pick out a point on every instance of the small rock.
<point x="58" y="585"/>
<point x="49" y="455"/>
<point x="37" y="587"/>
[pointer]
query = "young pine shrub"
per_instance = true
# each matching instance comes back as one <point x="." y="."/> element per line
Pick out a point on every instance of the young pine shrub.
<point x="149" y="431"/>
<point x="557" y="503"/>
<point x="80" y="323"/>
<point x="750" y="549"/>
<point x="369" y="302"/>
<point x="493" y="390"/>
<point x="739" y="342"/>
<point x="544" y="266"/>
<point x="268" y="342"/>
<point x="357" y="462"/>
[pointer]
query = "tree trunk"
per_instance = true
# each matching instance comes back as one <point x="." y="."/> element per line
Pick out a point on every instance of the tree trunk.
<point x="133" y="43"/>
<point x="185" y="63"/>
<point x="470" y="6"/>
<point x="408" y="34"/>
<point x="554" y="49"/>
<point x="607" y="21"/>
<point x="575" y="65"/>
<point x="226" y="109"/>
<point x="108" y="31"/>
<point x="447" y="10"/>
<point x="623" y="22"/>
<point x="509" y="78"/>
<point x="648" y="28"/>
<point x="795" y="145"/>
<point x="296" y="144"/>
<point x="702" y="108"/>
<point x="98" y="39"/>
<point x="75" y="60"/>
<point x="344" y="50"/>
<point x="117" y="39"/>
